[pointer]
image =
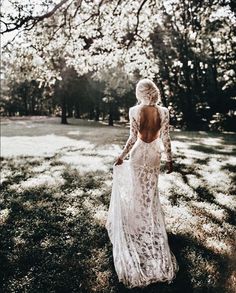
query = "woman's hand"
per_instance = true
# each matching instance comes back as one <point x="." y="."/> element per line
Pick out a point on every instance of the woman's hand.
<point x="169" y="166"/>
<point x="118" y="161"/>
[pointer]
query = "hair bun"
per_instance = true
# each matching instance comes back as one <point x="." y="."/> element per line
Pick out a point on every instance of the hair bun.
<point x="147" y="92"/>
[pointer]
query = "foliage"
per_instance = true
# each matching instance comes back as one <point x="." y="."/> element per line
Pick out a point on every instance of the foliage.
<point x="186" y="47"/>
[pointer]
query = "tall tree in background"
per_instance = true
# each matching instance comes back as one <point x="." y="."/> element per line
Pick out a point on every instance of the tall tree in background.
<point x="185" y="46"/>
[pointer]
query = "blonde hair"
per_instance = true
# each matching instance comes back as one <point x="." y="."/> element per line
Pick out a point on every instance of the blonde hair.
<point x="147" y="92"/>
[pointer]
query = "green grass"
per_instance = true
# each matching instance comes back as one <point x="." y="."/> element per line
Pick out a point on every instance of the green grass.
<point x="51" y="239"/>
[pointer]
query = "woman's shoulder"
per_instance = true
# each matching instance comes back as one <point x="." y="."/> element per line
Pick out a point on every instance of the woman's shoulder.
<point x="133" y="109"/>
<point x="162" y="108"/>
<point x="135" y="106"/>
<point x="164" y="113"/>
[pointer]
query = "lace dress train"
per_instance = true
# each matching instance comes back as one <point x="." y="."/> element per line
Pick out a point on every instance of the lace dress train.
<point x="136" y="223"/>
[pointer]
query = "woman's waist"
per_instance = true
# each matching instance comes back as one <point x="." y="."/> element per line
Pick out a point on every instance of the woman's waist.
<point x="142" y="139"/>
<point x="148" y="136"/>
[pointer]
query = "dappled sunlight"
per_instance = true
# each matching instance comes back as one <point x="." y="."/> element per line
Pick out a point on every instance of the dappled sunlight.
<point x="210" y="141"/>
<point x="45" y="145"/>
<point x="76" y="193"/>
<point x="99" y="158"/>
<point x="200" y="137"/>
<point x="226" y="200"/>
<point x="193" y="181"/>
<point x="200" y="147"/>
<point x="100" y="216"/>
<point x="216" y="178"/>
<point x="4" y="214"/>
<point x="63" y="192"/>
<point x="198" y="203"/>
<point x="81" y="153"/>
<point x="71" y="72"/>
<point x="5" y="173"/>
<point x="179" y="219"/>
<point x="44" y="166"/>
<point x="173" y="184"/>
<point x="43" y="179"/>
<point x="85" y="163"/>
<point x="74" y="132"/>
<point x="211" y="209"/>
<point x="219" y="246"/>
<point x="185" y="149"/>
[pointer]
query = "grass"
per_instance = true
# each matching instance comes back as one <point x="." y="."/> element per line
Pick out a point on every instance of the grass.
<point x="53" y="206"/>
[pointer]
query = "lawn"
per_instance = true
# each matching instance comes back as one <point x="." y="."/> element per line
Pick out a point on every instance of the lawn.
<point x="55" y="190"/>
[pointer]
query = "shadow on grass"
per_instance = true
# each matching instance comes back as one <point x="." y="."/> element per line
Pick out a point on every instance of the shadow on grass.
<point x="51" y="243"/>
<point x="182" y="246"/>
<point x="216" y="150"/>
<point x="231" y="170"/>
<point x="44" y="248"/>
<point x="203" y="192"/>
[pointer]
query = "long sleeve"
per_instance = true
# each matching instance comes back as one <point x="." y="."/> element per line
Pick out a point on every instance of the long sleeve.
<point x="165" y="136"/>
<point x="132" y="137"/>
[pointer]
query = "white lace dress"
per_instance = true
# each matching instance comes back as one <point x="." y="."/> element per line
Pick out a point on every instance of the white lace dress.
<point x="135" y="223"/>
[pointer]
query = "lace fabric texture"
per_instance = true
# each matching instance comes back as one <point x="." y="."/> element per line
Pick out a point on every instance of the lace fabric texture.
<point x="134" y="118"/>
<point x="136" y="222"/>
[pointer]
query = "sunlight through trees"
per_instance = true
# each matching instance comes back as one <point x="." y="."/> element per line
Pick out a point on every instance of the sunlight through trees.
<point x="85" y="57"/>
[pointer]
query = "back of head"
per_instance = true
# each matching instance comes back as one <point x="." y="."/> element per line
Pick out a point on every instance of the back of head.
<point x="147" y="92"/>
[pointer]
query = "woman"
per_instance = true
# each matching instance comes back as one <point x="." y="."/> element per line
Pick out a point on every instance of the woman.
<point x="135" y="223"/>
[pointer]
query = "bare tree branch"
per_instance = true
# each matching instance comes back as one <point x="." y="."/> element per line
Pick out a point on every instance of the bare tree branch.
<point x="11" y="41"/>
<point x="93" y="14"/>
<point x="77" y="8"/>
<point x="118" y="3"/>
<point x="138" y="13"/>
<point x="30" y="21"/>
<point x="135" y="32"/>
<point x="50" y="13"/>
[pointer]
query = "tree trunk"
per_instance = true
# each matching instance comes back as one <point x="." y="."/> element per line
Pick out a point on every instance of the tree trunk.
<point x="77" y="112"/>
<point x="63" y="111"/>
<point x="32" y="110"/>
<point x="214" y="68"/>
<point x="70" y="112"/>
<point x="26" y="112"/>
<point x="110" y="115"/>
<point x="189" y="109"/>
<point x="163" y="96"/>
<point x="91" y="112"/>
<point x="97" y="113"/>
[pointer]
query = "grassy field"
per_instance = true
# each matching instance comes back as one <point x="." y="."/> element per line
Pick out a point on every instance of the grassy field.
<point x="55" y="190"/>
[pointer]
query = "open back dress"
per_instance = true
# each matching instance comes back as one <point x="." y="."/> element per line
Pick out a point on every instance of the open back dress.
<point x="135" y="222"/>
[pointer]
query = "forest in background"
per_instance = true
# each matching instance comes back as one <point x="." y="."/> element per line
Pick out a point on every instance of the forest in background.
<point x="83" y="59"/>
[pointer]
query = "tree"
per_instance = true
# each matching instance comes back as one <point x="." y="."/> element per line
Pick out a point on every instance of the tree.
<point x="185" y="46"/>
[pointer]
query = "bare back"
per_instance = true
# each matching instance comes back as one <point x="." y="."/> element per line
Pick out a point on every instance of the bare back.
<point x="150" y="123"/>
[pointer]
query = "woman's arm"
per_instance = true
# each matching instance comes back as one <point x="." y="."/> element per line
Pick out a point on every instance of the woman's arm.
<point x="165" y="135"/>
<point x="132" y="136"/>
